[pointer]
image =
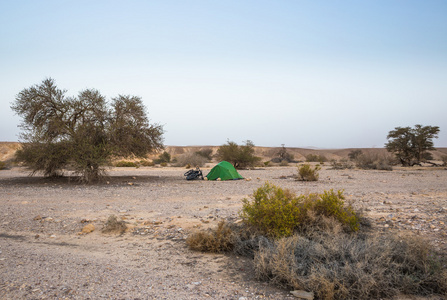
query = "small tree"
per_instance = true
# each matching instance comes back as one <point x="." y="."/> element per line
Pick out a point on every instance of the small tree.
<point x="82" y="132"/>
<point x="410" y="145"/>
<point x="240" y="156"/>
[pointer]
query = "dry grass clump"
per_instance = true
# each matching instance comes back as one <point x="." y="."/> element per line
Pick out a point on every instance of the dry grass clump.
<point x="215" y="241"/>
<point x="126" y="164"/>
<point x="191" y="159"/>
<point x="114" y="226"/>
<point x="342" y="266"/>
<point x="2" y="165"/>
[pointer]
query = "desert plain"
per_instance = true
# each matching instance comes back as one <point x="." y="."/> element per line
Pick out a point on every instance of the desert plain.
<point x="52" y="247"/>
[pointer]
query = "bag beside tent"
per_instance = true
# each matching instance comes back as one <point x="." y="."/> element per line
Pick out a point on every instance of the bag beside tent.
<point x="225" y="171"/>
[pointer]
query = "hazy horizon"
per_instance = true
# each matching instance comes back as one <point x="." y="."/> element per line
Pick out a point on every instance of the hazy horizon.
<point x="323" y="74"/>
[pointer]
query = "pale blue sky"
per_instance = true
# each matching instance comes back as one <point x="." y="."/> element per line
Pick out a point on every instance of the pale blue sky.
<point x="327" y="74"/>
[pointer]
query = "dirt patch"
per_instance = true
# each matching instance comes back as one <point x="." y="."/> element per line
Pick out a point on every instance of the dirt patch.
<point x="42" y="254"/>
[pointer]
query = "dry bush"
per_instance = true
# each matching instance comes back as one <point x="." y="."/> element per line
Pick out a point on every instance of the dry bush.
<point x="341" y="164"/>
<point x="215" y="241"/>
<point x="342" y="266"/>
<point x="306" y="173"/>
<point x="2" y="165"/>
<point x="146" y="163"/>
<point x="368" y="161"/>
<point x="114" y="226"/>
<point x="191" y="159"/>
<point x="126" y="164"/>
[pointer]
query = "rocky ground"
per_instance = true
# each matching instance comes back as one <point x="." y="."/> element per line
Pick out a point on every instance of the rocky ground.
<point x="44" y="253"/>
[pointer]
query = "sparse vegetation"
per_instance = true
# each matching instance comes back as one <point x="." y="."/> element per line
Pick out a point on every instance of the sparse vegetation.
<point x="341" y="164"/>
<point x="316" y="158"/>
<point x="114" y="226"/>
<point x="367" y="161"/>
<point x="307" y="173"/>
<point x="240" y="156"/>
<point x="444" y="160"/>
<point x="146" y="163"/>
<point x="307" y="243"/>
<point x="190" y="159"/>
<point x="2" y="165"/>
<point x="206" y="153"/>
<point x="165" y="157"/>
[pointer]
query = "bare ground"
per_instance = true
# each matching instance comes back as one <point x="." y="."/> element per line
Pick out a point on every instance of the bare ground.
<point x="44" y="256"/>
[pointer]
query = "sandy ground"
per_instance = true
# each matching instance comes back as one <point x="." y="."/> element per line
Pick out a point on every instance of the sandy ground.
<point x="43" y="256"/>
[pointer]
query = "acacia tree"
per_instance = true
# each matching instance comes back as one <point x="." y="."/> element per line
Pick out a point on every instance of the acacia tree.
<point x="83" y="132"/>
<point x="410" y="145"/>
<point x="240" y="156"/>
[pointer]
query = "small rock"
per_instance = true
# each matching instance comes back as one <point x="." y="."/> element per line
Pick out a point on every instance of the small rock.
<point x="88" y="228"/>
<point x="303" y="294"/>
<point x="37" y="218"/>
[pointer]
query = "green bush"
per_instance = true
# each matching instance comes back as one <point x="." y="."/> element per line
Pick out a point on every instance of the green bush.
<point x="277" y="212"/>
<point x="165" y="157"/>
<point x="307" y="173"/>
<point x="126" y="164"/>
<point x="2" y="165"/>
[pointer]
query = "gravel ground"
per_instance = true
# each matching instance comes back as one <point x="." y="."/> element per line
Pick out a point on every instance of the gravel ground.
<point x="43" y="254"/>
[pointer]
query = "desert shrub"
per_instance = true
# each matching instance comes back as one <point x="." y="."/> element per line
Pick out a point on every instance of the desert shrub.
<point x="354" y="154"/>
<point x="112" y="225"/>
<point x="206" y="153"/>
<point x="341" y="266"/>
<point x="278" y="212"/>
<point x="368" y="161"/>
<point x="341" y="164"/>
<point x="266" y="163"/>
<point x="146" y="163"/>
<point x="444" y="160"/>
<point x="316" y="158"/>
<point x="165" y="157"/>
<point x="284" y="163"/>
<point x="191" y="159"/>
<point x="215" y="241"/>
<point x="164" y="164"/>
<point x="126" y="164"/>
<point x="2" y="165"/>
<point x="307" y="173"/>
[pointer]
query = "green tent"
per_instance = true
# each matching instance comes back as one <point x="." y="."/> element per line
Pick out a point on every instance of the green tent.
<point x="225" y="171"/>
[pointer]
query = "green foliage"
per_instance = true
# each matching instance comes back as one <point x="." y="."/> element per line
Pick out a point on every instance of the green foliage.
<point x="277" y="212"/>
<point x="307" y="173"/>
<point x="409" y="145"/>
<point x="165" y="157"/>
<point x="316" y="158"/>
<point x="2" y="165"/>
<point x="83" y="132"/>
<point x="240" y="156"/>
<point x="126" y="164"/>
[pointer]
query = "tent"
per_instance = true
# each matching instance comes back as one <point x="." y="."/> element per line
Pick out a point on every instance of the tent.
<point x="225" y="171"/>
